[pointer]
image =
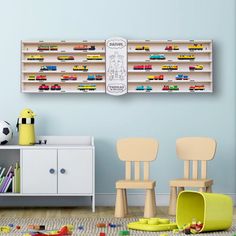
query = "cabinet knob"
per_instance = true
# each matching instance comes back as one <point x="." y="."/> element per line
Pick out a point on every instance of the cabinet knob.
<point x="63" y="171"/>
<point x="51" y="171"/>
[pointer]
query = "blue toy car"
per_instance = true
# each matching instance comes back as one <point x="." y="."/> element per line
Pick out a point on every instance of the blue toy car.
<point x="140" y="87"/>
<point x="157" y="57"/>
<point x="91" y="77"/>
<point x="181" y="77"/>
<point x="48" y="68"/>
<point x="149" y="88"/>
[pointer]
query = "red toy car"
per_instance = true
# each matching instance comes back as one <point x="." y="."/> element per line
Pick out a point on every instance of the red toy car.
<point x="68" y="77"/>
<point x="43" y="87"/>
<point x="41" y="77"/>
<point x="142" y="67"/>
<point x="55" y="87"/>
<point x="155" y="77"/>
<point x="166" y="87"/>
<point x="98" y="77"/>
<point x="62" y="232"/>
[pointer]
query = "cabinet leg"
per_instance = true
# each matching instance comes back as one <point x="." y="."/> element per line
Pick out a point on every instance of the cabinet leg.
<point x="93" y="203"/>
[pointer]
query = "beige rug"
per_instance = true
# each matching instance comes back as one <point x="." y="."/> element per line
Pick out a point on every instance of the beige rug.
<point x="89" y="226"/>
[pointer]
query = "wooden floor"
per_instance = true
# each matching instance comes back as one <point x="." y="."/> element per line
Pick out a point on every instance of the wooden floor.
<point x="76" y="212"/>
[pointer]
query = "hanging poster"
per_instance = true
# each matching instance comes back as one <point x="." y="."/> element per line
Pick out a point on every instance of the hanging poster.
<point x="116" y="66"/>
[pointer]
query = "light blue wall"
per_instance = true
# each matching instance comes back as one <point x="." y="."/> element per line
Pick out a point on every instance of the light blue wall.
<point x="108" y="118"/>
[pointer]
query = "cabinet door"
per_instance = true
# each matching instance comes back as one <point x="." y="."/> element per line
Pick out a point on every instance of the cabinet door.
<point x="39" y="171"/>
<point x="75" y="171"/>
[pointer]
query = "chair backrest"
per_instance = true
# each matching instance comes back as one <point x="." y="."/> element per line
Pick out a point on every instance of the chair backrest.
<point x="195" y="149"/>
<point x="137" y="150"/>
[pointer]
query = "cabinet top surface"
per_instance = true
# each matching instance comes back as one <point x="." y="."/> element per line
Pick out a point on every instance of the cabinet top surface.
<point x="55" y="142"/>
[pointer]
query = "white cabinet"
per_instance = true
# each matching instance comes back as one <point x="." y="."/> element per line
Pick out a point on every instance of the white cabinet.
<point x="39" y="171"/>
<point x="75" y="171"/>
<point x="64" y="166"/>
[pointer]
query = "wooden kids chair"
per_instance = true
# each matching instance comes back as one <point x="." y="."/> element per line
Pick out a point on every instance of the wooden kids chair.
<point x="192" y="149"/>
<point x="136" y="150"/>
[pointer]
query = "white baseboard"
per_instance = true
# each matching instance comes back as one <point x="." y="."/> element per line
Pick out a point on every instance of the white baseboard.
<point x="102" y="199"/>
<point x="137" y="199"/>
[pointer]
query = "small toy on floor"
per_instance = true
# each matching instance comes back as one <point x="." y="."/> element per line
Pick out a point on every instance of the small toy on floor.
<point x="5" y="229"/>
<point x="65" y="230"/>
<point x="152" y="224"/>
<point x="124" y="232"/>
<point x="192" y="228"/>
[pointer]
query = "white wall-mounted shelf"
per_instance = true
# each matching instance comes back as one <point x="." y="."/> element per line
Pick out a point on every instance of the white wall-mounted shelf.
<point x="135" y="78"/>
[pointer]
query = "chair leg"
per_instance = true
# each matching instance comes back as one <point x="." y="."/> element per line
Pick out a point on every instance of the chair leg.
<point x="119" y="208"/>
<point x="209" y="189"/>
<point x="154" y="201"/>
<point x="201" y="189"/>
<point x="125" y="201"/>
<point x="173" y="199"/>
<point x="180" y="189"/>
<point x="149" y="209"/>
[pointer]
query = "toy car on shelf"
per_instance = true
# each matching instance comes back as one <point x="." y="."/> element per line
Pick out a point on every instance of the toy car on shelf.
<point x="197" y="67"/>
<point x="174" y="87"/>
<point x="43" y="87"/>
<point x="65" y="58"/>
<point x="142" y="48"/>
<point x="80" y="68"/>
<point x="87" y="87"/>
<point x="186" y="57"/>
<point x="157" y="57"/>
<point x="95" y="77"/>
<point x="155" y="77"/>
<point x="84" y="47"/>
<point x="165" y="87"/>
<point x="31" y="77"/>
<point x="94" y="57"/>
<point x="48" y="68"/>
<point x="197" y="87"/>
<point x="142" y="67"/>
<point x="68" y="77"/>
<point x="47" y="47"/>
<point x="195" y="46"/>
<point x="55" y="87"/>
<point x="35" y="57"/>
<point x="41" y="77"/>
<point x="98" y="77"/>
<point x="140" y="88"/>
<point x="169" y="67"/>
<point x="171" y="47"/>
<point x="170" y="88"/>
<point x="181" y="77"/>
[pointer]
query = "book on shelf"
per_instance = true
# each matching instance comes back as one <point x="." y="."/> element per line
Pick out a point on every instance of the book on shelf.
<point x="10" y="179"/>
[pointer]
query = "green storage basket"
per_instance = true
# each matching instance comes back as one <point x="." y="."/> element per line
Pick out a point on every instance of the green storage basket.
<point x="214" y="210"/>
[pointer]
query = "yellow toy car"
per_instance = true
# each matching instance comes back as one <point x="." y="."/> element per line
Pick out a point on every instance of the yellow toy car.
<point x="169" y="67"/>
<point x="31" y="77"/>
<point x="65" y="58"/>
<point x="186" y="57"/>
<point x="195" y="46"/>
<point x="197" y="67"/>
<point x="35" y="57"/>
<point x="84" y="87"/>
<point x="140" y="48"/>
<point x="81" y="68"/>
<point x="94" y="57"/>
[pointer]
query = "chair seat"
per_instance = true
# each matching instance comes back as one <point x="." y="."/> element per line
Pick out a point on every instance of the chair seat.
<point x="135" y="184"/>
<point x="198" y="183"/>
